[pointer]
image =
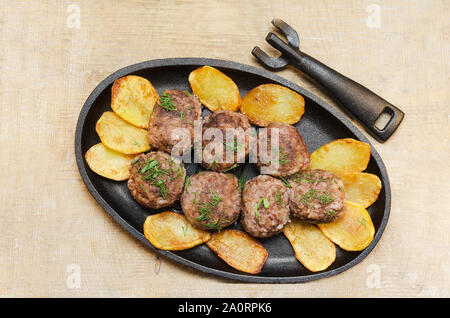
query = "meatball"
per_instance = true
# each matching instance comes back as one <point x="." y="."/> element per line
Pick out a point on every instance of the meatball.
<point x="211" y="200"/>
<point x="156" y="179"/>
<point x="291" y="151"/>
<point x="316" y="196"/>
<point x="172" y="121"/>
<point x="231" y="145"/>
<point x="265" y="206"/>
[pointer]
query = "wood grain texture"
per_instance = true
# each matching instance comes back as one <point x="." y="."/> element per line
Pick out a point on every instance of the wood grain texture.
<point x="48" y="69"/>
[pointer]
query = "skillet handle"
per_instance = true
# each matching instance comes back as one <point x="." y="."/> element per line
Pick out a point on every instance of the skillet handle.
<point x="363" y="104"/>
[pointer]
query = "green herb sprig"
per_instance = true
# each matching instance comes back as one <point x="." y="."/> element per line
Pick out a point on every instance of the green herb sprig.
<point x="205" y="209"/>
<point x="235" y="145"/>
<point x="283" y="157"/>
<point x="279" y="198"/>
<point x="154" y="173"/>
<point x="285" y="182"/>
<point x="265" y="202"/>
<point x="166" y="102"/>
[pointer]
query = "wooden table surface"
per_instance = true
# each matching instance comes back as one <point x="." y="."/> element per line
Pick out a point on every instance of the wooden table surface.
<point x="55" y="240"/>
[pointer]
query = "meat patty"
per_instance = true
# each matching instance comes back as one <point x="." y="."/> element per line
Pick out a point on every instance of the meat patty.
<point x="265" y="206"/>
<point x="226" y="140"/>
<point x="292" y="153"/>
<point x="172" y="121"/>
<point x="156" y="179"/>
<point x="211" y="200"/>
<point x="316" y="196"/>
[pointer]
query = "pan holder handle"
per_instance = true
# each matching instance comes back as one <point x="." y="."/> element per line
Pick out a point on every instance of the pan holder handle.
<point x="366" y="106"/>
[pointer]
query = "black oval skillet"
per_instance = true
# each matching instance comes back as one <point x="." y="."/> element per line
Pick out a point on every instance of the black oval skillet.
<point x="320" y="124"/>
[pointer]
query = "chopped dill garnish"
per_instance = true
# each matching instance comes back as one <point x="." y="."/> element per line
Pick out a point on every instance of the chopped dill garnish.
<point x="205" y="210"/>
<point x="279" y="198"/>
<point x="135" y="160"/>
<point x="187" y="93"/>
<point x="231" y="168"/>
<point x="266" y="203"/>
<point x="235" y="145"/>
<point x="182" y="114"/>
<point x="239" y="173"/>
<point x="167" y="102"/>
<point x="153" y="172"/>
<point x="184" y="228"/>
<point x="187" y="183"/>
<point x="332" y="212"/>
<point x="257" y="217"/>
<point x="285" y="182"/>
<point x="326" y="198"/>
<point x="150" y="165"/>
<point x="215" y="163"/>
<point x="215" y="200"/>
<point x="266" y="206"/>
<point x="163" y="191"/>
<point x="308" y="177"/>
<point x="142" y="187"/>
<point x="180" y="171"/>
<point x="241" y="182"/>
<point x="300" y="177"/>
<point x="307" y="197"/>
<point x="215" y="225"/>
<point x="283" y="158"/>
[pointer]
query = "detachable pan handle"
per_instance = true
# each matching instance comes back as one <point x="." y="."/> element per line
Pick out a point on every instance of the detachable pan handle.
<point x="363" y="104"/>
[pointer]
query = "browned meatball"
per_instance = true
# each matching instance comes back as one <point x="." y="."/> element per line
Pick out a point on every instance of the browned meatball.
<point x="156" y="179"/>
<point x="292" y="153"/>
<point x="236" y="145"/>
<point x="174" y="111"/>
<point x="211" y="200"/>
<point x="265" y="206"/>
<point x="316" y="196"/>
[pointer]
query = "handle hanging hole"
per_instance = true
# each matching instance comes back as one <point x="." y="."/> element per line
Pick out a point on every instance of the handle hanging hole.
<point x="384" y="119"/>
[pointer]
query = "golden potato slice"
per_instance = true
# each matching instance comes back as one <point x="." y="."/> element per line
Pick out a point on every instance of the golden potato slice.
<point x="133" y="98"/>
<point x="119" y="135"/>
<point x="171" y="231"/>
<point x="108" y="163"/>
<point x="270" y="103"/>
<point x="353" y="230"/>
<point x="214" y="89"/>
<point x="342" y="156"/>
<point x="312" y="248"/>
<point x="361" y="188"/>
<point x="239" y="250"/>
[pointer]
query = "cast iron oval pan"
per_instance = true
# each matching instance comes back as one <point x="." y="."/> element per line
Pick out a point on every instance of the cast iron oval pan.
<point x="320" y="124"/>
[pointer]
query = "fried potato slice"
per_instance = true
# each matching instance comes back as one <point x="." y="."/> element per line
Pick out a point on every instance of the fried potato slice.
<point x="133" y="98"/>
<point x="108" y="163"/>
<point x="312" y="248"/>
<point x="239" y="250"/>
<point x="117" y="134"/>
<point x="270" y="103"/>
<point x="353" y="230"/>
<point x="214" y="89"/>
<point x="361" y="187"/>
<point x="342" y="156"/>
<point x="172" y="231"/>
